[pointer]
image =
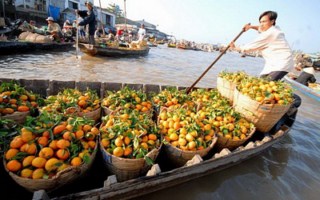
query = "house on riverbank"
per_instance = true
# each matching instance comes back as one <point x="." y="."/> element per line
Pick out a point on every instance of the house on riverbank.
<point x="60" y="10"/>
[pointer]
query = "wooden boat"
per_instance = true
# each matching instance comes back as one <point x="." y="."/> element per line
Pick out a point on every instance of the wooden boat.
<point x="162" y="174"/>
<point x="14" y="47"/>
<point x="113" y="52"/>
<point x="172" y="45"/>
<point x="310" y="92"/>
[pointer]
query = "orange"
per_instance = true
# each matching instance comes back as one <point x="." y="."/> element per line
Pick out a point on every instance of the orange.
<point x="53" y="144"/>
<point x="79" y="134"/>
<point x="46" y="134"/>
<point x="29" y="148"/>
<point x="69" y="127"/>
<point x="118" y="142"/>
<point x="86" y="127"/>
<point x="23" y="108"/>
<point x="82" y="103"/>
<point x="173" y="137"/>
<point x="16" y="143"/>
<point x="118" y="151"/>
<point x="23" y="97"/>
<point x="43" y="141"/>
<point x="68" y="135"/>
<point x="58" y="129"/>
<point x="8" y="111"/>
<point x="26" y="173"/>
<point x="152" y="136"/>
<point x="26" y="135"/>
<point x="192" y="145"/>
<point x="46" y="152"/>
<point x="63" y="144"/>
<point x="144" y="145"/>
<point x="145" y="138"/>
<point x="52" y="164"/>
<point x="127" y="151"/>
<point x="39" y="162"/>
<point x="14" y="165"/>
<point x="76" y="161"/>
<point x="38" y="173"/>
<point x="92" y="144"/>
<point x="27" y="161"/>
<point x="127" y="140"/>
<point x="105" y="142"/>
<point x="63" y="154"/>
<point x="11" y="153"/>
<point x="207" y="127"/>
<point x="95" y="130"/>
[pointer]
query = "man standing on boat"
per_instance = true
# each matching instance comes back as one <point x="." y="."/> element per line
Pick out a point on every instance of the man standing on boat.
<point x="141" y="33"/>
<point x="273" y="46"/>
<point x="276" y="52"/>
<point x="90" y="19"/>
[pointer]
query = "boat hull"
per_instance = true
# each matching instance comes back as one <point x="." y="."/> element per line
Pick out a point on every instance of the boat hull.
<point x="304" y="89"/>
<point x="15" y="47"/>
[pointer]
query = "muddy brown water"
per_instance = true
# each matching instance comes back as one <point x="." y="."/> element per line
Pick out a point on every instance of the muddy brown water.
<point x="287" y="170"/>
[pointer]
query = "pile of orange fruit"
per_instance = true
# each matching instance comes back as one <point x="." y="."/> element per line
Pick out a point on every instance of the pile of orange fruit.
<point x="49" y="145"/>
<point x="129" y="134"/>
<point x="127" y="98"/>
<point x="15" y="98"/>
<point x="70" y="101"/>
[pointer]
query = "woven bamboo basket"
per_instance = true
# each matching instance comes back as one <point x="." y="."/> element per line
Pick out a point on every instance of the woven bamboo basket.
<point x="94" y="115"/>
<point x="232" y="144"/>
<point x="63" y="177"/>
<point x="106" y="110"/>
<point x="226" y="88"/>
<point x="18" y="117"/>
<point x="180" y="157"/>
<point x="125" y="168"/>
<point x="263" y="116"/>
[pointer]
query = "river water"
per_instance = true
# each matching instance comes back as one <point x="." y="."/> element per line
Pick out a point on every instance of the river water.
<point x="287" y="170"/>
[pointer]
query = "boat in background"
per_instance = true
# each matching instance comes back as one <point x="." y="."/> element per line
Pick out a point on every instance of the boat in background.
<point x="172" y="45"/>
<point x="113" y="51"/>
<point x="313" y="92"/>
<point x="15" y="47"/>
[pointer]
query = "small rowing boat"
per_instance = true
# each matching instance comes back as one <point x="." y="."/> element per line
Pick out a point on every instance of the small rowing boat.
<point x="162" y="174"/>
<point x="313" y="92"/>
<point x="113" y="51"/>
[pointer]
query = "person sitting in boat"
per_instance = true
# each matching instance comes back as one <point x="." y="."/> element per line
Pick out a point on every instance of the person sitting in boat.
<point x="307" y="74"/>
<point x="119" y="33"/>
<point x="98" y="33"/>
<point x="67" y="30"/>
<point x="54" y="29"/>
<point x="110" y="36"/>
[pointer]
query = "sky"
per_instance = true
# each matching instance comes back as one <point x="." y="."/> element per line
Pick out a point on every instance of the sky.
<point x="219" y="21"/>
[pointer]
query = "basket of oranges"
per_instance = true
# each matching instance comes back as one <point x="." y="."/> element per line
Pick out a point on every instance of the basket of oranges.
<point x="50" y="152"/>
<point x="129" y="143"/>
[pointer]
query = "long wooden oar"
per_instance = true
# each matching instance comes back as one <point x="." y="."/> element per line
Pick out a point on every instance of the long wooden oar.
<point x="214" y="62"/>
<point x="77" y="40"/>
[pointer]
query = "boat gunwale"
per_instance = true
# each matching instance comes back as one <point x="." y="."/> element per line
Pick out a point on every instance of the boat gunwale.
<point x="226" y="161"/>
